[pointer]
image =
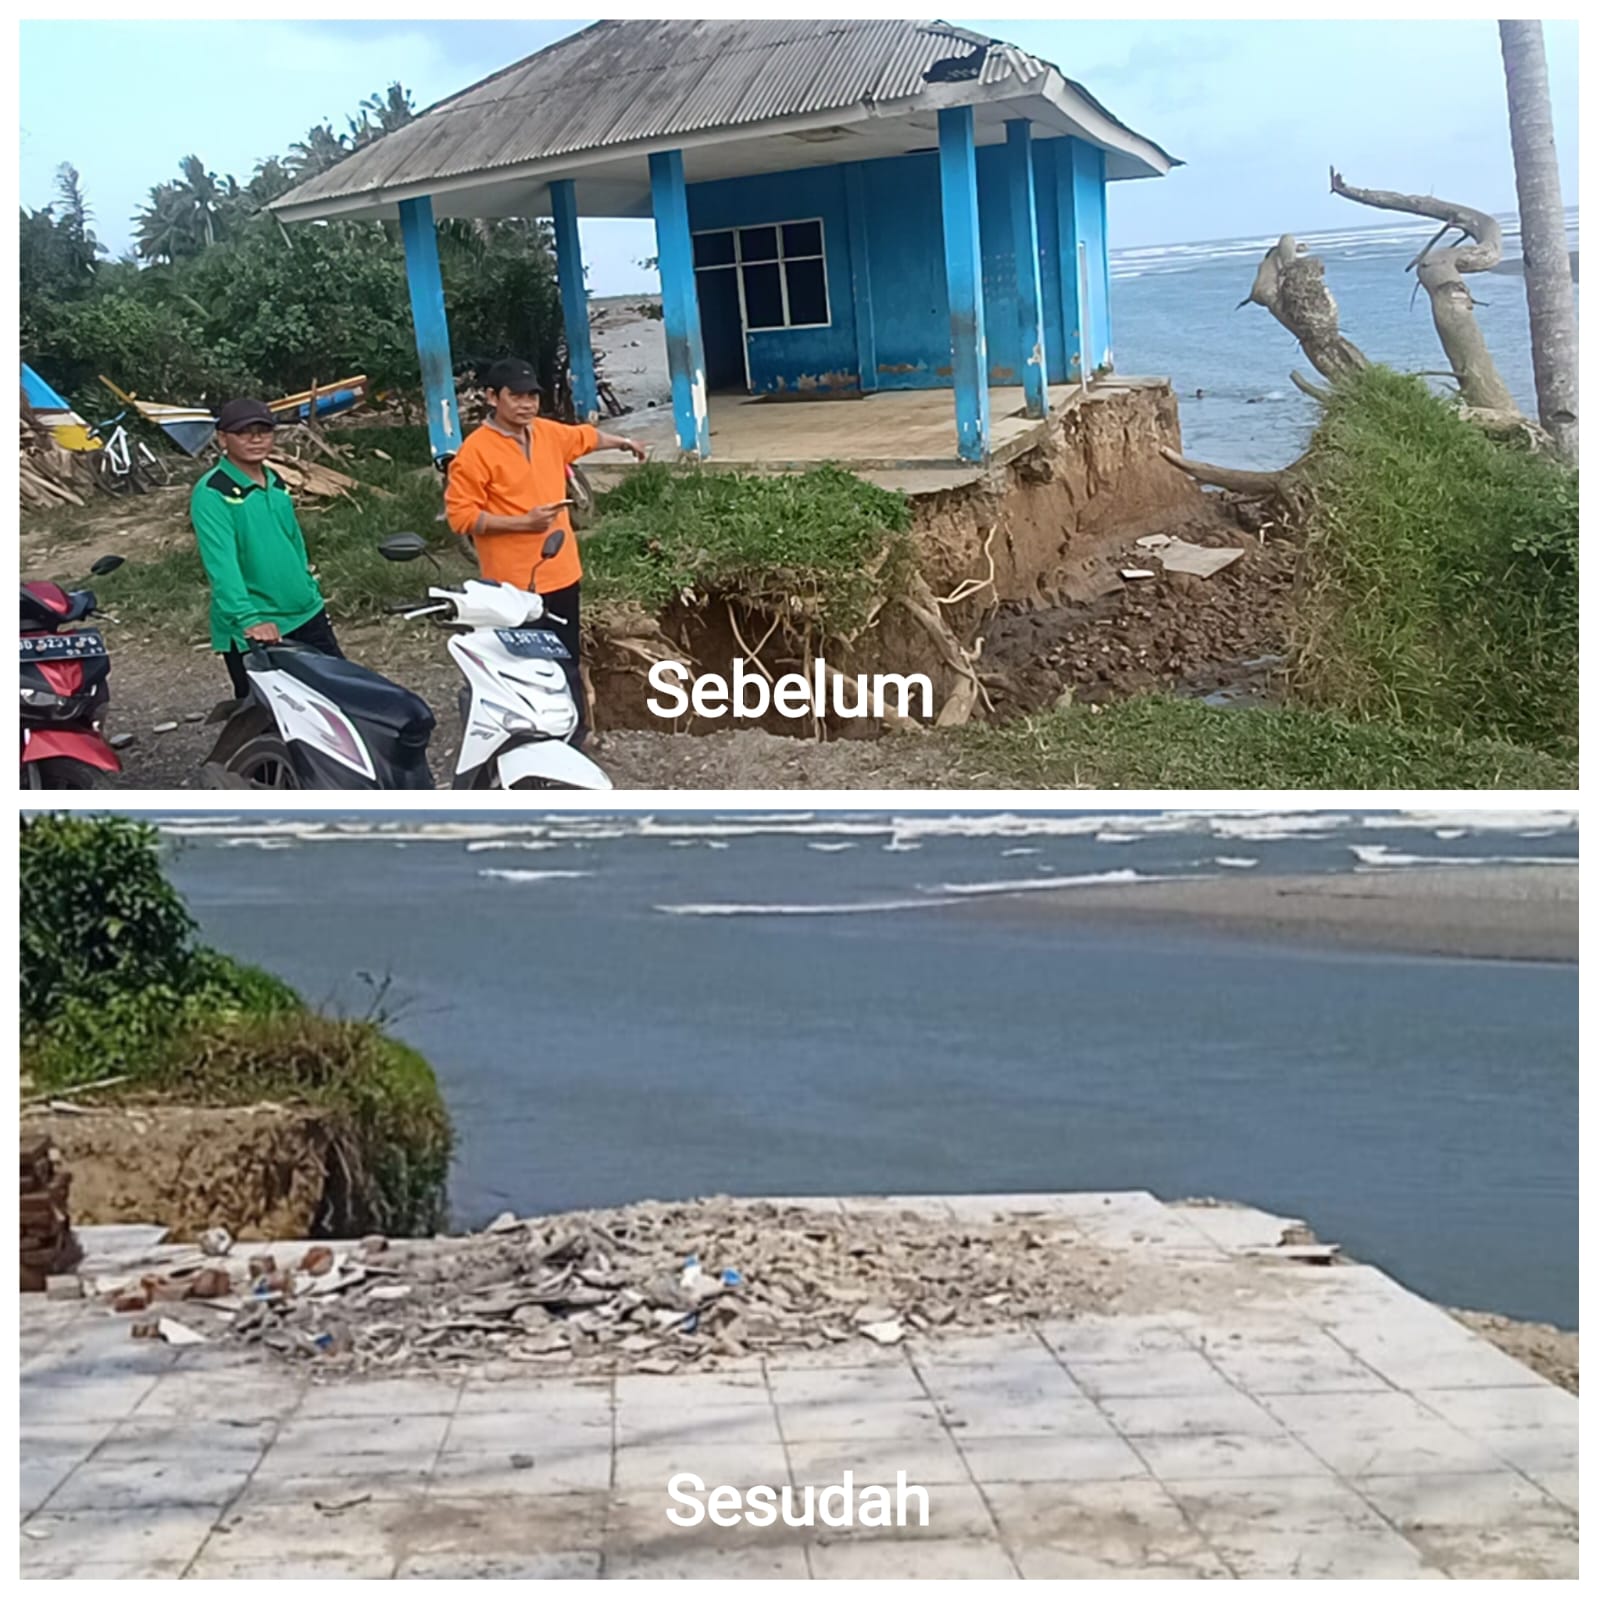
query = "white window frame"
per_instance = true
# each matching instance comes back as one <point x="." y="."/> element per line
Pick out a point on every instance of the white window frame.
<point x="780" y="260"/>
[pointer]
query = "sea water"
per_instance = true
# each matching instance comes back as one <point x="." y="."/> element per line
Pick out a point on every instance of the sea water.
<point x="622" y="1007"/>
<point x="1175" y="313"/>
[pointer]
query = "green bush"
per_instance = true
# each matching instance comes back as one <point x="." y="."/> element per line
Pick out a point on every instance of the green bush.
<point x="824" y="538"/>
<point x="1441" y="571"/>
<point x="98" y="914"/>
<point x="114" y="984"/>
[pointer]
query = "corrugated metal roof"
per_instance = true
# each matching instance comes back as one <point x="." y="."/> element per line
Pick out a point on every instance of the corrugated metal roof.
<point x="623" y="83"/>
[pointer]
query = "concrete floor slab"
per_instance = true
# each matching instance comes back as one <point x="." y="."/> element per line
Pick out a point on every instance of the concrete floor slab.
<point x="927" y="1460"/>
<point x="1324" y="1423"/>
<point x="1164" y="1372"/>
<point x="861" y="1419"/>
<point x="644" y="1467"/>
<point x="880" y="1559"/>
<point x="1121" y="1529"/>
<point x="1052" y="1458"/>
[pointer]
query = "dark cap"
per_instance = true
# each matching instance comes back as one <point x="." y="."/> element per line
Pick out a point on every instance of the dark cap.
<point x="510" y="373"/>
<point x="237" y="415"/>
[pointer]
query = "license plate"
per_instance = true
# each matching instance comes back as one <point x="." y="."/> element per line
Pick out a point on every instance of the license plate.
<point x="63" y="646"/>
<point x="534" y="642"/>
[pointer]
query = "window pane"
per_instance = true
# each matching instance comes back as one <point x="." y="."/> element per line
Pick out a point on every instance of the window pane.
<point x="808" y="294"/>
<point x="758" y="244"/>
<point x="802" y="238"/>
<point x="713" y="249"/>
<point x="763" y="297"/>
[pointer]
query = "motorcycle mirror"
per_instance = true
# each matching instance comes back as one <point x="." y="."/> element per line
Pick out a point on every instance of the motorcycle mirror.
<point x="106" y="564"/>
<point x="403" y="547"/>
<point x="558" y="537"/>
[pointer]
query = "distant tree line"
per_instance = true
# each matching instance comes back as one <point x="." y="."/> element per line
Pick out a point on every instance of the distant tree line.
<point x="218" y="297"/>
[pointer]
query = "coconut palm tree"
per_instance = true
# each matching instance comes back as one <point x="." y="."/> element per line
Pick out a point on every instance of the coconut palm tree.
<point x="381" y="114"/>
<point x="321" y="149"/>
<point x="1546" y="266"/>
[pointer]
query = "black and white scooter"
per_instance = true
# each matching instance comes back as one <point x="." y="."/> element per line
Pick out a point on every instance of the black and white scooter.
<point x="517" y="708"/>
<point x="314" y="721"/>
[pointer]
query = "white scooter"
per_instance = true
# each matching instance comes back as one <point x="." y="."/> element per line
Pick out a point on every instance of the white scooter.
<point x="517" y="709"/>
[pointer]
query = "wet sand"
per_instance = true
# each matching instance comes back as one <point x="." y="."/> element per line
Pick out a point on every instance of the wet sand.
<point x="1487" y="913"/>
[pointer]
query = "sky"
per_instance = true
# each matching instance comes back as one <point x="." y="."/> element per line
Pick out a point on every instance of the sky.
<point x="1257" y="110"/>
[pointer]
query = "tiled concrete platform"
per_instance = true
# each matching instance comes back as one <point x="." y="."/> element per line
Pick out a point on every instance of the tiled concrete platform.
<point x="1322" y="1423"/>
<point x="898" y="439"/>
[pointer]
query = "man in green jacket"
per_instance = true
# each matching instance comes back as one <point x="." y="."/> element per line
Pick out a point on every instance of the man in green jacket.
<point x="254" y="554"/>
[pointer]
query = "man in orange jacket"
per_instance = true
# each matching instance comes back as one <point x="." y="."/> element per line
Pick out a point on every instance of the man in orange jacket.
<point x="508" y="489"/>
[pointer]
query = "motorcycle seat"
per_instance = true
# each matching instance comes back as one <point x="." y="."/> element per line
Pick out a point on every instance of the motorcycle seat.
<point x="48" y="605"/>
<point x="357" y="690"/>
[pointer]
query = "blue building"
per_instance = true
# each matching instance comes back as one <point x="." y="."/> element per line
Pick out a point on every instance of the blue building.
<point x="841" y="207"/>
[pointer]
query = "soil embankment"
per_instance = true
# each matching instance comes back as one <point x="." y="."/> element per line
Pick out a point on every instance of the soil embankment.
<point x="258" y="1171"/>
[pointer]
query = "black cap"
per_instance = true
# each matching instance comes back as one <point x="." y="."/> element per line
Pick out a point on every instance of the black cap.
<point x="513" y="374"/>
<point x="237" y="415"/>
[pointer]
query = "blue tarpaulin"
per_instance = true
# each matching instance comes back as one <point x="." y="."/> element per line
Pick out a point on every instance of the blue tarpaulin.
<point x="40" y="395"/>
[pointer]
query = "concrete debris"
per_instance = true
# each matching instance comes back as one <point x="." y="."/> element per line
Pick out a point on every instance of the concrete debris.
<point x="1131" y="574"/>
<point x="1180" y="555"/>
<point x="216" y="1241"/>
<point x="655" y="1288"/>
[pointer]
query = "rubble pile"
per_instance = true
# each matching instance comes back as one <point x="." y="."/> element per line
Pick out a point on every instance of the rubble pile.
<point x="48" y="1246"/>
<point x="647" y="1288"/>
<point x="47" y="474"/>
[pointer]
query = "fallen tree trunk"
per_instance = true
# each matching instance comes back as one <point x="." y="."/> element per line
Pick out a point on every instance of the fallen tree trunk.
<point x="1440" y="272"/>
<point x="1290" y="284"/>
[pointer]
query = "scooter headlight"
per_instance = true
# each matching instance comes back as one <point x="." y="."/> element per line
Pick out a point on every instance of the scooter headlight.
<point x="513" y="720"/>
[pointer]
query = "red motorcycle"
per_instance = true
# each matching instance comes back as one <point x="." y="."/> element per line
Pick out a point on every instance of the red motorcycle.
<point x="65" y="688"/>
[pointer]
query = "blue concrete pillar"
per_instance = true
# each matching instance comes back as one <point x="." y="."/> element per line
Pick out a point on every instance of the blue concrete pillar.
<point x="1065" y="245"/>
<point x="680" y="304"/>
<point x="963" y="271"/>
<point x="430" y="325"/>
<point x="1094" y="265"/>
<point x="1025" y="248"/>
<point x="574" y="299"/>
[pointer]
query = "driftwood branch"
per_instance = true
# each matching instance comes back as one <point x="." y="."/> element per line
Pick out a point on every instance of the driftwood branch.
<point x="1285" y="486"/>
<point x="1440" y="271"/>
<point x="1290" y="284"/>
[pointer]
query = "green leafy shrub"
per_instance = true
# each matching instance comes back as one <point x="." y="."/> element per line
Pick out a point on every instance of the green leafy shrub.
<point x="1441" y="571"/>
<point x="114" y="984"/>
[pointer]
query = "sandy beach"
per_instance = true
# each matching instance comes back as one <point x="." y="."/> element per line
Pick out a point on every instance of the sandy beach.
<point x="1488" y="913"/>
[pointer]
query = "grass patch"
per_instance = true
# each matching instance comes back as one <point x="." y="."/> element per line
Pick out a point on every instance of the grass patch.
<point x="114" y="982"/>
<point x="823" y="539"/>
<point x="399" y="495"/>
<point x="1441" y="572"/>
<point x="1163" y="743"/>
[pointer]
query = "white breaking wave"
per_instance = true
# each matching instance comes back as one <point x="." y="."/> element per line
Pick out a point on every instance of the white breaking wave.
<point x="860" y="907"/>
<point x="845" y="845"/>
<point x="1379" y="855"/>
<point x="1039" y="885"/>
<point x="1017" y="830"/>
<point x="1237" y="861"/>
<point x="529" y="875"/>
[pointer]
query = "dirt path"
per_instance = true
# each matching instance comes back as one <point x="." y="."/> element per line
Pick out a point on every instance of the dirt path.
<point x="1221" y="637"/>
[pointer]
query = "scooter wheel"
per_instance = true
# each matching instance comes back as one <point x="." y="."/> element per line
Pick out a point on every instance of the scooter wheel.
<point x="62" y="772"/>
<point x="261" y="762"/>
<point x="542" y="783"/>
